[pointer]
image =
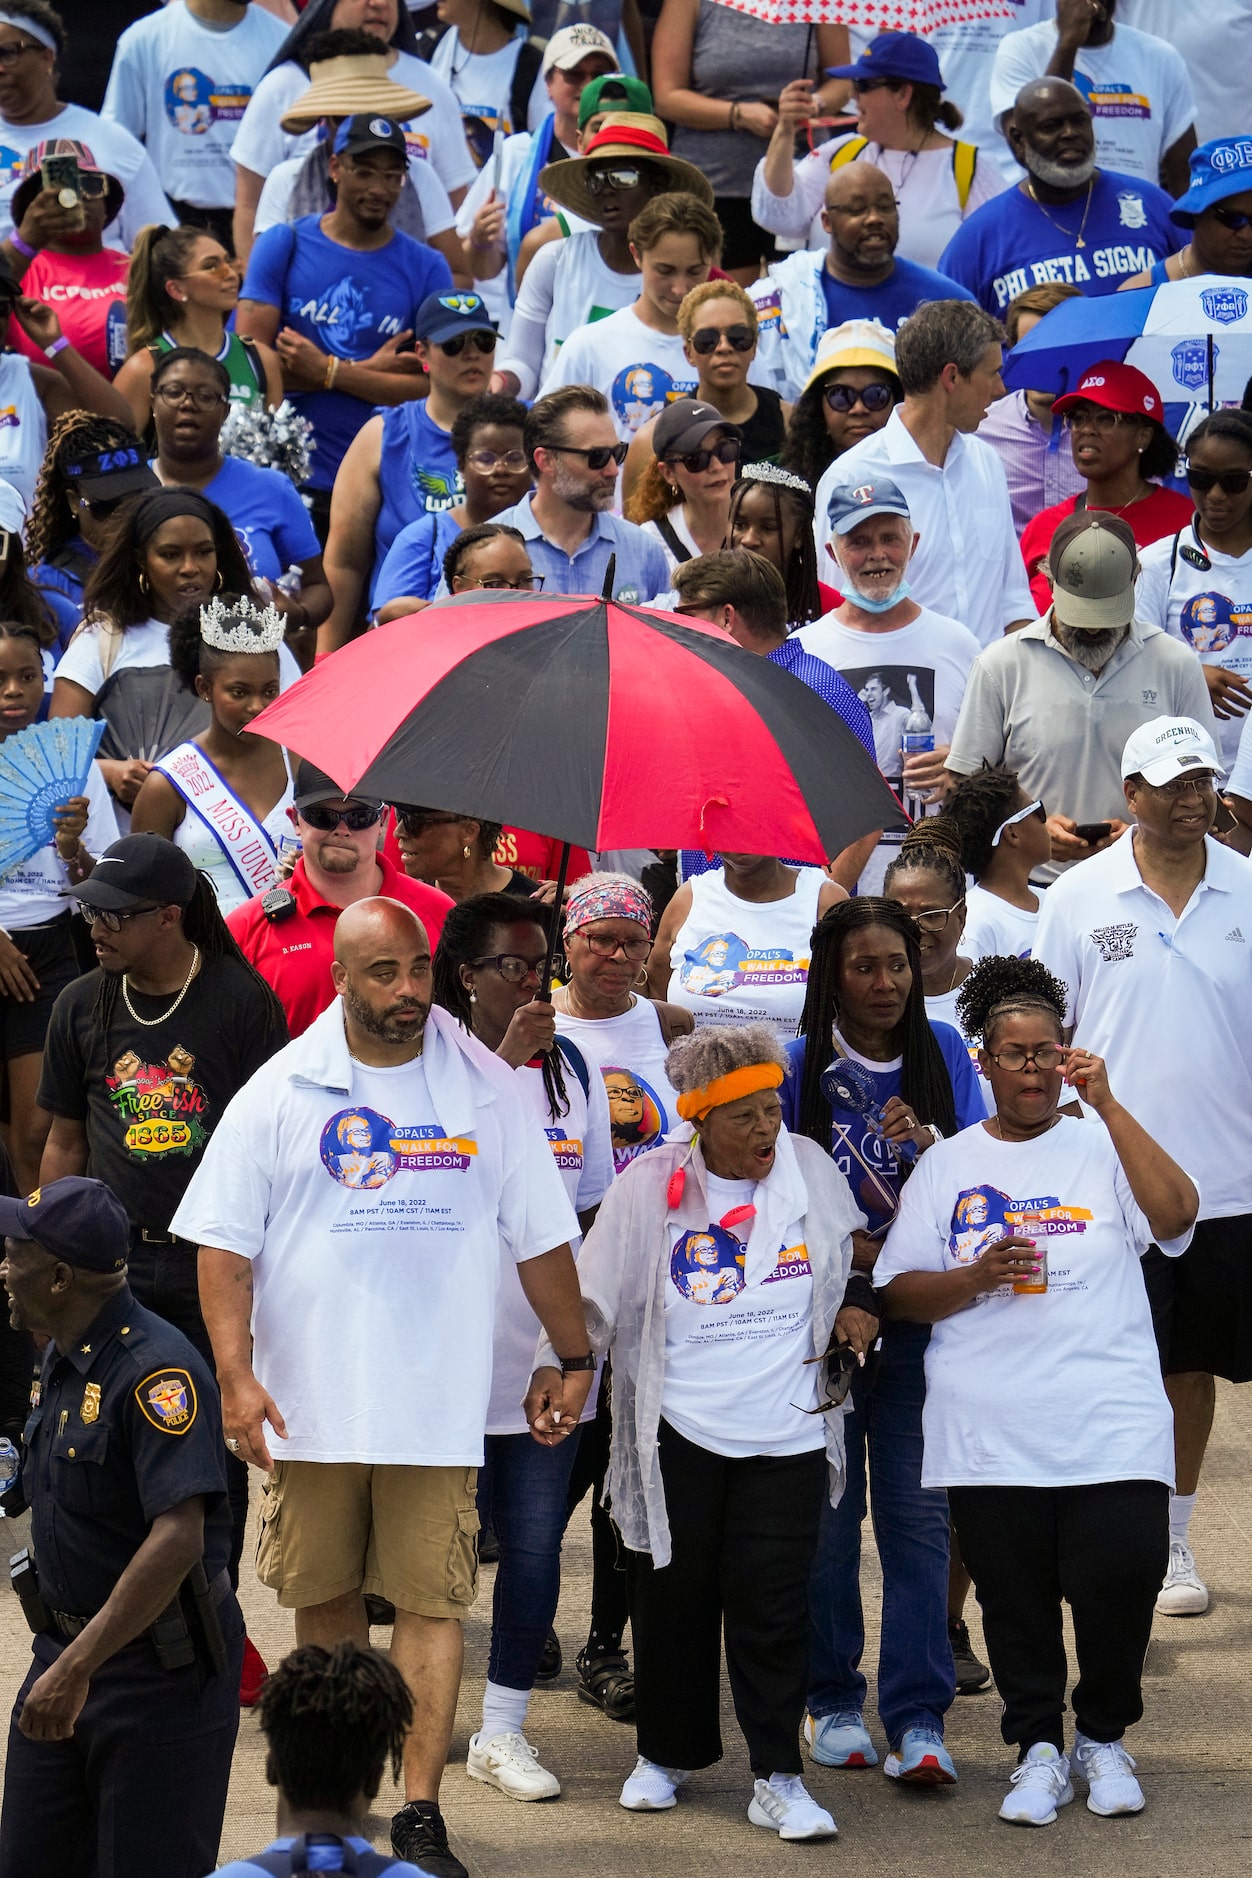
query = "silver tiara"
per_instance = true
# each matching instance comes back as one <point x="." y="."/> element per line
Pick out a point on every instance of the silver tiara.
<point x="241" y="627"/>
<point x="770" y="473"/>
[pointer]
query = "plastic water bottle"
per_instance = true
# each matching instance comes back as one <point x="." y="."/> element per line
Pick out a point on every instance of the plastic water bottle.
<point x="10" y="1467"/>
<point x="291" y="583"/>
<point x="917" y="739"/>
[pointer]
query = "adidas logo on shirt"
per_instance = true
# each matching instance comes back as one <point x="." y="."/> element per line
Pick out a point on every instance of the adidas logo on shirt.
<point x="1237" y="936"/>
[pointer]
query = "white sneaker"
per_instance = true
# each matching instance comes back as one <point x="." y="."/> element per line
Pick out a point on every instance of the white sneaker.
<point x="783" y="1805"/>
<point x="1107" y="1769"/>
<point x="1183" y="1593"/>
<point x="1037" y="1787"/>
<point x="509" y="1762"/>
<point x="650" y="1789"/>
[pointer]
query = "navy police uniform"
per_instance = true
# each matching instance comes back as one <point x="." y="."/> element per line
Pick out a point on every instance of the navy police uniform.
<point x="125" y="1425"/>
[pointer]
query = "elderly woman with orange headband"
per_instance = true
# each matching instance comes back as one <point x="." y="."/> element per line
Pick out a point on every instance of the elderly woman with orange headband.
<point x="719" y="1273"/>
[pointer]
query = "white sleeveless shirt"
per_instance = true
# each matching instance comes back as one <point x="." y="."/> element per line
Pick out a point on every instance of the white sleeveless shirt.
<point x="741" y="961"/>
<point x="208" y="851"/>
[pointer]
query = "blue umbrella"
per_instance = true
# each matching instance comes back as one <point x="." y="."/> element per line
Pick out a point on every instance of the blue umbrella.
<point x="1193" y="339"/>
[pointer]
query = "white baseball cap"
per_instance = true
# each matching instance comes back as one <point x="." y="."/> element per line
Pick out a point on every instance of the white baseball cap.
<point x="572" y="45"/>
<point x="1167" y="747"/>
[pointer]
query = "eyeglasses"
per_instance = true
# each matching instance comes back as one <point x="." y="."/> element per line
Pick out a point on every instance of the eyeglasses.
<point x="709" y="338"/>
<point x="847" y="397"/>
<point x="729" y="450"/>
<point x="417" y="821"/>
<point x="325" y="819"/>
<point x="222" y="265"/>
<point x="597" y="459"/>
<point x="91" y="183"/>
<point x="935" y="918"/>
<point x="12" y="50"/>
<point x="487" y="460"/>
<point x="110" y="920"/>
<point x="1045" y="1057"/>
<point x="512" y="967"/>
<point x="497" y="583"/>
<point x="199" y="395"/>
<point x="606" y="948"/>
<point x="619" y="177"/>
<point x="481" y="340"/>
<point x="1203" y="785"/>
<point x="1230" y="482"/>
<point x="1233" y="219"/>
<point x="1097" y="417"/>
<point x="1032" y="808"/>
<point x="100" y="506"/>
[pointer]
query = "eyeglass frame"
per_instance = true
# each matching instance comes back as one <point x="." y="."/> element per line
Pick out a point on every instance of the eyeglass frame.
<point x="1101" y="418"/>
<point x="1027" y="1056"/>
<point x="114" y="918"/>
<point x="1201" y="781"/>
<point x="1205" y="481"/>
<point x="605" y="947"/>
<point x="195" y="395"/>
<point x="486" y="460"/>
<point x="12" y="51"/>
<point x="496" y="583"/>
<point x="227" y="264"/>
<point x="598" y="181"/>
<point x="942" y="913"/>
<point x="846" y="1363"/>
<point x="611" y="452"/>
<point x="415" y="822"/>
<point x="496" y="961"/>
<point x="1035" y="808"/>
<point x="483" y="339"/>
<point x="1236" y="220"/>
<point x="697" y="461"/>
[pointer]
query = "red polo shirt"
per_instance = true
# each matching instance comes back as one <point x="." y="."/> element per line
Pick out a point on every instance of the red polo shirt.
<point x="294" y="954"/>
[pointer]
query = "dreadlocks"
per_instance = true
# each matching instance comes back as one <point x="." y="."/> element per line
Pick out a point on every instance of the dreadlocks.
<point x="932" y="846"/>
<point x="999" y="986"/>
<point x="468" y="933"/>
<point x="925" y="1084"/>
<point x="334" y="1719"/>
<point x="75" y="436"/>
<point x="979" y="805"/>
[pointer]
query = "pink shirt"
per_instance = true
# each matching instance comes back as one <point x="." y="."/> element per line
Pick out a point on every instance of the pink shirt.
<point x="83" y="290"/>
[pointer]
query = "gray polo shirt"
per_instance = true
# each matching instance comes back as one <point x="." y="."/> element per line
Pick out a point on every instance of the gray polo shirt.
<point x="1062" y="728"/>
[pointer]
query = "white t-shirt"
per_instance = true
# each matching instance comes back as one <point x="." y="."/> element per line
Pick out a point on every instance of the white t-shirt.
<point x="374" y="1225"/>
<point x="1055" y="1389"/>
<point x="1164" y="1001"/>
<point x="1208" y="608"/>
<point x="582" y="1150"/>
<point x="482" y="84"/>
<point x="23" y="427"/>
<point x="1239" y="781"/>
<point x="181" y="86"/>
<point x="261" y="143"/>
<point x="567" y="285"/>
<point x="933" y="654"/>
<point x="514" y="159"/>
<point x="148" y="644"/>
<point x="738" y="1329"/>
<point x="994" y="929"/>
<point x="114" y="149"/>
<point x="30" y="890"/>
<point x="739" y="961"/>
<point x="1213" y="42"/>
<point x="629" y="1051"/>
<point x="1137" y="86"/>
<point x="639" y="370"/>
<point x="432" y="197"/>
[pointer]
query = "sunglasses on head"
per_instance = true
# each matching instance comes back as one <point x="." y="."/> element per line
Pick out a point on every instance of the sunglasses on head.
<point x="738" y="338"/>
<point x="729" y="450"/>
<point x="846" y="397"/>
<point x="325" y="819"/>
<point x="597" y="459"/>
<point x="1233" y="219"/>
<point x="618" y="176"/>
<point x="1230" y="482"/>
<point x="481" y="340"/>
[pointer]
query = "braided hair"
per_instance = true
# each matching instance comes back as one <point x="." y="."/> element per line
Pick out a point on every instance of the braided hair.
<point x="791" y="497"/>
<point x="979" y="805"/>
<point x="334" y="1719"/>
<point x="925" y="1083"/>
<point x="999" y="986"/>
<point x="77" y="435"/>
<point x="466" y="935"/>
<point x="932" y="846"/>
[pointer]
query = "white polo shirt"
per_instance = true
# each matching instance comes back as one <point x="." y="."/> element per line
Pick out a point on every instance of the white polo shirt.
<point x="968" y="564"/>
<point x="1165" y="1002"/>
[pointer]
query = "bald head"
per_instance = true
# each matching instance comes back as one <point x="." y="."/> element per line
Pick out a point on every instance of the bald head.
<point x="382" y="971"/>
<point x="1051" y="134"/>
<point x="863" y="222"/>
<point x="378" y="923"/>
<point x="856" y="182"/>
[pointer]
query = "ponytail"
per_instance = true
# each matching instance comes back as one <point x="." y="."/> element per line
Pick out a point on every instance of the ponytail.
<point x="160" y="254"/>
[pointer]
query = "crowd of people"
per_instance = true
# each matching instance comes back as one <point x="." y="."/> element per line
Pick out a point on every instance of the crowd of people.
<point x="793" y="1192"/>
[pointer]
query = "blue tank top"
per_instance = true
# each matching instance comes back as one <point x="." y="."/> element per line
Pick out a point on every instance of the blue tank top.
<point x="1158" y="276"/>
<point x="418" y="476"/>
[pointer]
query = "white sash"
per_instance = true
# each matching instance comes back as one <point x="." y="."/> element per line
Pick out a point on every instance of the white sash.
<point x="246" y="843"/>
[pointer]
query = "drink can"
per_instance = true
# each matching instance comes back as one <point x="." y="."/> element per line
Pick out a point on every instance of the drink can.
<point x="1037" y="1281"/>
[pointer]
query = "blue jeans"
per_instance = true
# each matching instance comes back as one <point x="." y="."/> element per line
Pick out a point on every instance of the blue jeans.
<point x="916" y="1679"/>
<point x="522" y="1488"/>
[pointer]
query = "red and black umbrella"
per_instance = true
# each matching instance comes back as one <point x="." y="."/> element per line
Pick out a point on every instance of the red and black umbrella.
<point x="591" y="722"/>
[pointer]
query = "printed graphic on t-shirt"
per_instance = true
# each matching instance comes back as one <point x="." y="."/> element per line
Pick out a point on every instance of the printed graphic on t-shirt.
<point x="984" y="1215"/>
<point x="481" y="122"/>
<point x="1115" y="944"/>
<point x="889" y="693"/>
<point x="1111" y="99"/>
<point x="343" y="312"/>
<point x="193" y="103"/>
<point x="637" y="1115"/>
<point x="707" y="1267"/>
<point x="438" y="491"/>
<point x="724" y="962"/>
<point x="567" y="1150"/>
<point x="1210" y="622"/>
<point x="360" y="1148"/>
<point x="641" y="392"/>
<point x="161" y="1108"/>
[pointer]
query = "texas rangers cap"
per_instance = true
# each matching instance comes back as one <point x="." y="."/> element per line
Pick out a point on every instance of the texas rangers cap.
<point x="851" y="504"/>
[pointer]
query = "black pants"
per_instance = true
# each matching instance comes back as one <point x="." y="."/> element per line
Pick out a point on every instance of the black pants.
<point x="609" y="1611"/>
<point x="1103" y="1551"/>
<point x="743" y="1535"/>
<point x="220" y="223"/>
<point x="162" y="1275"/>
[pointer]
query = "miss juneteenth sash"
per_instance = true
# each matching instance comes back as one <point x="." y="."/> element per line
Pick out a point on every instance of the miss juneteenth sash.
<point x="243" y="840"/>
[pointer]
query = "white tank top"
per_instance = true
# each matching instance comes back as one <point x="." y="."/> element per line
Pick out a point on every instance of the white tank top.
<point x="740" y="962"/>
<point x="629" y="1052"/>
<point x="23" y="426"/>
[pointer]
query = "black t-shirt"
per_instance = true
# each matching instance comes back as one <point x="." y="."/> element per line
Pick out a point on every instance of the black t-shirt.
<point x="765" y="431"/>
<point x="151" y="1097"/>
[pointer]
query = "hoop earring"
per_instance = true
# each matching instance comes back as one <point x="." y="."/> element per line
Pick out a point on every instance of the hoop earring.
<point x="642" y="979"/>
<point x="218" y="582"/>
<point x="143" y="582"/>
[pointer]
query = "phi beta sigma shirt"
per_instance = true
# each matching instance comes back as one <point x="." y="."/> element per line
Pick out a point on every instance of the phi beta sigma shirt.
<point x="348" y="301"/>
<point x="1054" y="1389"/>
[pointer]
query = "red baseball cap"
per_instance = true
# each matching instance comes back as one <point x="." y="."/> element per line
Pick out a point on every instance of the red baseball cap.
<point x="1118" y="388"/>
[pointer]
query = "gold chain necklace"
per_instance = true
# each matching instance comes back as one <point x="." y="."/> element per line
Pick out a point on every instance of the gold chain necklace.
<point x="1043" y="1131"/>
<point x="1060" y="226"/>
<point x="150" y="1023"/>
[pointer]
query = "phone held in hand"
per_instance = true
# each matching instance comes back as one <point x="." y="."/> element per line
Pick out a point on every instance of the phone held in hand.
<point x="61" y="175"/>
<point x="1093" y="832"/>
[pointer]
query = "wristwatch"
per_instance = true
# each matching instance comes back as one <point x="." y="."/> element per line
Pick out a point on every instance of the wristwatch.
<point x="569" y="1364"/>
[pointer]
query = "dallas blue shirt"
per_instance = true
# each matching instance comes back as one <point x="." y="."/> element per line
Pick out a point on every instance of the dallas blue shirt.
<point x="348" y="302"/>
<point x="893" y="299"/>
<point x="1011" y="244"/>
<point x="266" y="514"/>
<point x="418" y="477"/>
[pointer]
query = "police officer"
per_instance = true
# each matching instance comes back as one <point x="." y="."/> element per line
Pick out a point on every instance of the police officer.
<point x="122" y="1733"/>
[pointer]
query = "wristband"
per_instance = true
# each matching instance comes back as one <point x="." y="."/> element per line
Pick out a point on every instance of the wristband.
<point x="733" y="123"/>
<point x="332" y="372"/>
<point x="58" y="345"/>
<point x="570" y="1364"/>
<point x="23" y="247"/>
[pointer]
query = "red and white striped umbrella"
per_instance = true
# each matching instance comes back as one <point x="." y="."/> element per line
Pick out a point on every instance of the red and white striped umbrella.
<point x="878" y="16"/>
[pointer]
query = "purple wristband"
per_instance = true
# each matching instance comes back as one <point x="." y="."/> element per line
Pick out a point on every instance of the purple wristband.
<point x="58" y="345"/>
<point x="23" y="247"/>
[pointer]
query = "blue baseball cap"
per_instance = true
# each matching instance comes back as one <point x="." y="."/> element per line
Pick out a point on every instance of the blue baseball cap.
<point x="443" y="315"/>
<point x="901" y="56"/>
<point x="1220" y="168"/>
<point x="365" y="132"/>
<point x="78" y="1220"/>
<point x="852" y="504"/>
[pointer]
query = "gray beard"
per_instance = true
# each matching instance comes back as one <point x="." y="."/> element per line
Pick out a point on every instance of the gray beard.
<point x="1058" y="175"/>
<point x="576" y="495"/>
<point x="1092" y="649"/>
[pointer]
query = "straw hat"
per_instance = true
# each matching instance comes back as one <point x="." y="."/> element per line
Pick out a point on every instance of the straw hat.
<point x="631" y="137"/>
<point x="352" y="87"/>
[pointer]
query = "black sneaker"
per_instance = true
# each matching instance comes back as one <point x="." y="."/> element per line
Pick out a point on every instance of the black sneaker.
<point x="971" y="1675"/>
<point x="608" y="1683"/>
<point x="378" y="1610"/>
<point x="419" y="1835"/>
<point x="550" y="1662"/>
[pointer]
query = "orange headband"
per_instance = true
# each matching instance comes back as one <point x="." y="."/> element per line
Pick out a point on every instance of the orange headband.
<point x="696" y="1103"/>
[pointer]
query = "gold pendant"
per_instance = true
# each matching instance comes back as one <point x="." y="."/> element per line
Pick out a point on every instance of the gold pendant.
<point x="1080" y="243"/>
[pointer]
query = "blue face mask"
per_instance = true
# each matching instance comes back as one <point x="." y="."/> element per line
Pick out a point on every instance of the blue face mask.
<point x="878" y="606"/>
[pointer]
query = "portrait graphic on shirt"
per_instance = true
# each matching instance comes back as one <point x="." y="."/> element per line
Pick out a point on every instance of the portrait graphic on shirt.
<point x="890" y="693"/>
<point x="194" y="103"/>
<point x="637" y="1116"/>
<point x="162" y="1110"/>
<point x="725" y="963"/>
<point x="707" y="1266"/>
<point x="1211" y="622"/>
<point x="984" y="1215"/>
<point x="641" y="392"/>
<point x="361" y="1149"/>
<point x="481" y="122"/>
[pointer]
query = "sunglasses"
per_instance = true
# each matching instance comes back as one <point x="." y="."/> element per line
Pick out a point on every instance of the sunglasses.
<point x="480" y="340"/>
<point x="101" y="506"/>
<point x="512" y="967"/>
<point x="1233" y="219"/>
<point x="842" y="1364"/>
<point x="597" y="459"/>
<point x="1230" y="482"/>
<point x="1032" y="808"/>
<point x="729" y="450"/>
<point x="110" y="920"/>
<point x="738" y="338"/>
<point x="619" y="177"/>
<point x="325" y="819"/>
<point x="485" y="461"/>
<point x="417" y="821"/>
<point x="863" y="85"/>
<point x="846" y="397"/>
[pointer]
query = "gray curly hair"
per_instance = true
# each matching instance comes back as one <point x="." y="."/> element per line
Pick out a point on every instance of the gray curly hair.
<point x="695" y="1061"/>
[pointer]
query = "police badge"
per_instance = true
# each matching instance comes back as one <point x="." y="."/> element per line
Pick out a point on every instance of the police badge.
<point x="90" y="1410"/>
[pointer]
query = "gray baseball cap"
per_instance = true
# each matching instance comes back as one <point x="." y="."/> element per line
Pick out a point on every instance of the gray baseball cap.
<point x="1092" y="562"/>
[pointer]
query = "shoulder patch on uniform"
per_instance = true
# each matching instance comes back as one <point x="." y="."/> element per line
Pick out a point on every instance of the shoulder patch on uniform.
<point x="168" y="1400"/>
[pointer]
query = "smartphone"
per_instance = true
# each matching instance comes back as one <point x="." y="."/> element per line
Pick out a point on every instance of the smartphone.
<point x="60" y="175"/>
<point x="1091" y="832"/>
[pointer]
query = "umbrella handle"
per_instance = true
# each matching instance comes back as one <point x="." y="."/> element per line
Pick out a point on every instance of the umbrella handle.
<point x="545" y="983"/>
